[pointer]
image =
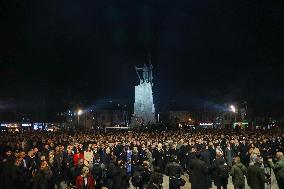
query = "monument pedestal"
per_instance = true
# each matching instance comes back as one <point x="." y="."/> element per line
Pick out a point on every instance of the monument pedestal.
<point x="144" y="109"/>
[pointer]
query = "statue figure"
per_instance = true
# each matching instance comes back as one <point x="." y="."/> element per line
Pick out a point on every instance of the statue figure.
<point x="144" y="107"/>
<point x="145" y="74"/>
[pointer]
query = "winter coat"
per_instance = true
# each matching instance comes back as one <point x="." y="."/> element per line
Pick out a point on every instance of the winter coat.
<point x="256" y="177"/>
<point x="198" y="171"/>
<point x="278" y="168"/>
<point x="229" y="156"/>
<point x="121" y="179"/>
<point x="90" y="182"/>
<point x="218" y="181"/>
<point x="237" y="172"/>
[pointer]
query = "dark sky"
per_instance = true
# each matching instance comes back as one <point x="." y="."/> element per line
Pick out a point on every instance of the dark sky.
<point x="57" y="51"/>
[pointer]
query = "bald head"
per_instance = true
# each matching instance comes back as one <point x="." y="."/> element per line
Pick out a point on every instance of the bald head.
<point x="279" y="155"/>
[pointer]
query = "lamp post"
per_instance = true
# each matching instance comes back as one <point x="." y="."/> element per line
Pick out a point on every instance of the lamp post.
<point x="78" y="114"/>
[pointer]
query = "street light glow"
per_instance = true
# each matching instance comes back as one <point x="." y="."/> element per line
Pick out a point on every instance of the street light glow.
<point x="233" y="108"/>
<point x="80" y="112"/>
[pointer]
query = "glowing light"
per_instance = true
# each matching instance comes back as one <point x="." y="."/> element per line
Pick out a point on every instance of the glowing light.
<point x="205" y="124"/>
<point x="233" y="108"/>
<point x="80" y="112"/>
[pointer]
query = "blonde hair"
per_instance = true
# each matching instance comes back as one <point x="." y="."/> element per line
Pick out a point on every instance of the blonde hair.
<point x="85" y="169"/>
<point x="135" y="149"/>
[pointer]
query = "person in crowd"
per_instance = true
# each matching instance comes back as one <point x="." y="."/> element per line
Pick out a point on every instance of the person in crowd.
<point x="158" y="155"/>
<point x="278" y="169"/>
<point x="198" y="170"/>
<point x="238" y="172"/>
<point x="174" y="171"/>
<point x="121" y="178"/>
<point x="156" y="181"/>
<point x="97" y="172"/>
<point x="88" y="157"/>
<point x="43" y="177"/>
<point x="256" y="176"/>
<point x="220" y="171"/>
<point x="67" y="164"/>
<point x="23" y="152"/>
<point x="85" y="180"/>
<point x="76" y="171"/>
<point x="229" y="154"/>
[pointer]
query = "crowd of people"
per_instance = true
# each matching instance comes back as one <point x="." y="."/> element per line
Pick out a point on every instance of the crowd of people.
<point x="43" y="160"/>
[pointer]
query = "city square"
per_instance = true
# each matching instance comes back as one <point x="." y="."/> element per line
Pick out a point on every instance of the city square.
<point x="141" y="94"/>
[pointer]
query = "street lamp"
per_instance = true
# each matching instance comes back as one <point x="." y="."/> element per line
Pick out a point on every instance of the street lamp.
<point x="78" y="114"/>
<point x="234" y="110"/>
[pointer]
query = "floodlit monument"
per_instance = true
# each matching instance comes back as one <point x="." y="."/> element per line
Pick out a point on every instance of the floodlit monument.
<point x="144" y="109"/>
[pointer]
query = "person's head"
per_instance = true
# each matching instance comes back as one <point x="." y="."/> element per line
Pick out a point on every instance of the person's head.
<point x="108" y="151"/>
<point x="8" y="153"/>
<point x="237" y="160"/>
<point x="57" y="149"/>
<point x="120" y="163"/>
<point x="85" y="171"/>
<point x="42" y="158"/>
<point x="18" y="162"/>
<point x="146" y="164"/>
<point x="160" y="146"/>
<point x="22" y="154"/>
<point x="135" y="150"/>
<point x="35" y="150"/>
<point x="31" y="153"/>
<point x="46" y="146"/>
<point x="279" y="155"/>
<point x="219" y="154"/>
<point x="80" y="162"/>
<point x="43" y="165"/>
<point x="258" y="160"/>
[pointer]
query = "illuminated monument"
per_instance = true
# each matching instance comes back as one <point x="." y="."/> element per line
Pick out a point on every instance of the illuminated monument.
<point x="144" y="109"/>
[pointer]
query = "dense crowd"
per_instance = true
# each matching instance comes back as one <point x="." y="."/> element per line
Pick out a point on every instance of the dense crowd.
<point x="43" y="160"/>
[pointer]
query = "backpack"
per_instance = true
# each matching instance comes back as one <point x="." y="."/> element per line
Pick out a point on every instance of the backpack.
<point x="136" y="179"/>
<point x="223" y="171"/>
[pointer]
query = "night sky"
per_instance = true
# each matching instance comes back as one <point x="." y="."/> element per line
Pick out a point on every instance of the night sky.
<point x="203" y="52"/>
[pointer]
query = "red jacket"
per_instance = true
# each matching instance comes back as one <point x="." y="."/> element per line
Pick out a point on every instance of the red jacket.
<point x="90" y="182"/>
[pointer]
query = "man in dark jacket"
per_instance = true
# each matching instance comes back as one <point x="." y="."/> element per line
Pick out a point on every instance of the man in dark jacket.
<point x="42" y="178"/>
<point x="121" y="178"/>
<point x="199" y="170"/>
<point x="158" y="155"/>
<point x="207" y="158"/>
<point x="156" y="181"/>
<point x="174" y="171"/>
<point x="220" y="171"/>
<point x="97" y="172"/>
<point x="255" y="175"/>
